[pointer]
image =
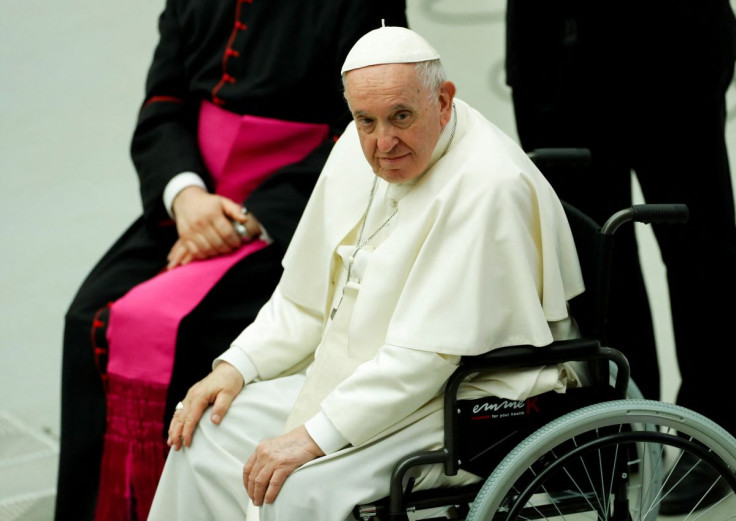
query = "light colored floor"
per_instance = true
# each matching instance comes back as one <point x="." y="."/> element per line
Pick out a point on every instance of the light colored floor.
<point x="72" y="81"/>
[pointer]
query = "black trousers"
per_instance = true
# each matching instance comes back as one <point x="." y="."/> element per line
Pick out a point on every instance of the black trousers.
<point x="139" y="254"/>
<point x="658" y="112"/>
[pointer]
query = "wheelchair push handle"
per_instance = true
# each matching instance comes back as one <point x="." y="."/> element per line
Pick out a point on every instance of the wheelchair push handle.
<point x="660" y="213"/>
<point x="647" y="214"/>
<point x="560" y="157"/>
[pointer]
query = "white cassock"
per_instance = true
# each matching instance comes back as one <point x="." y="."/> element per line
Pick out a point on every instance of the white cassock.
<point x="474" y="255"/>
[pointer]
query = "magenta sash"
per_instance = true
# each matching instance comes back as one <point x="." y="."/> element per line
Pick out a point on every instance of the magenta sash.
<point x="240" y="152"/>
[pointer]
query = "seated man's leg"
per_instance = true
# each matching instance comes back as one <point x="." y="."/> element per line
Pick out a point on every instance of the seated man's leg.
<point x="328" y="488"/>
<point x="136" y="256"/>
<point x="180" y="319"/>
<point x="205" y="480"/>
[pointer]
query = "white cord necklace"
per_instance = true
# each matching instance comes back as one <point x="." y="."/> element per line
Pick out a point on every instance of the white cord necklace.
<point x="360" y="243"/>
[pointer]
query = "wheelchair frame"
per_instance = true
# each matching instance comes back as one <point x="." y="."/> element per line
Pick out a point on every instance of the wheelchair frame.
<point x="604" y="460"/>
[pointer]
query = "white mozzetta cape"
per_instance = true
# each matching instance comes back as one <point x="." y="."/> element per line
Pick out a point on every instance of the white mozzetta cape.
<point x="479" y="256"/>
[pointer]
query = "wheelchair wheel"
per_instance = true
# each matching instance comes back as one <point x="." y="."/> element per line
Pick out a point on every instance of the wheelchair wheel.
<point x="606" y="462"/>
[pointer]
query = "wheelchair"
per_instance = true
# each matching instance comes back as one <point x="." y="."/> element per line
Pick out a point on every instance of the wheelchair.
<point x="597" y="452"/>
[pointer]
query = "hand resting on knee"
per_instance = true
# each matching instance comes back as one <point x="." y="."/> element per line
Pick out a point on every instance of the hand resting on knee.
<point x="218" y="389"/>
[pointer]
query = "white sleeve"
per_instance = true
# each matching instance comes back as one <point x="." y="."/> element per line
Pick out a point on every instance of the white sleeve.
<point x="176" y="185"/>
<point x="325" y="434"/>
<point x="241" y="362"/>
<point x="386" y="389"/>
<point x="282" y="335"/>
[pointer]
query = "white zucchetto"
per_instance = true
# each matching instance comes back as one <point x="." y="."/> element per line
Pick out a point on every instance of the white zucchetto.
<point x="389" y="45"/>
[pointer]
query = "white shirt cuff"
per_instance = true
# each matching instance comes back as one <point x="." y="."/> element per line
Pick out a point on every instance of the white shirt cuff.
<point x="324" y="434"/>
<point x="240" y="361"/>
<point x="176" y="185"/>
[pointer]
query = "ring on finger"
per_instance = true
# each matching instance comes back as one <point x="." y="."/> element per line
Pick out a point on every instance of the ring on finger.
<point x="179" y="406"/>
<point x="241" y="230"/>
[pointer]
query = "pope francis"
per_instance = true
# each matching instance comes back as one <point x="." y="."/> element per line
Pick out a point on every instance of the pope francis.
<point x="442" y="240"/>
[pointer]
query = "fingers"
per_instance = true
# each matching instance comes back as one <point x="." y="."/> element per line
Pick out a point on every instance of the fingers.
<point x="221" y="406"/>
<point x="274" y="460"/>
<point x="184" y="421"/>
<point x="237" y="213"/>
<point x="175" y="428"/>
<point x="204" y="224"/>
<point x="208" y="239"/>
<point x="178" y="256"/>
<point x="263" y="484"/>
<point x="190" y="418"/>
<point x="274" y="486"/>
<point x="233" y="210"/>
<point x="249" y="478"/>
<point x="226" y="238"/>
<point x="219" y="388"/>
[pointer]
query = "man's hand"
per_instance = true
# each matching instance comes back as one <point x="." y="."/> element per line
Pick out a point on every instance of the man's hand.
<point x="219" y="388"/>
<point x="273" y="460"/>
<point x="204" y="225"/>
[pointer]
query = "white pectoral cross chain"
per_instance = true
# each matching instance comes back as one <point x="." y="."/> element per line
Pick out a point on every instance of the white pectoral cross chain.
<point x="359" y="245"/>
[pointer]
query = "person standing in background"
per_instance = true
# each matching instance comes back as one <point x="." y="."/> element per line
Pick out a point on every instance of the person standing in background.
<point x="243" y="105"/>
<point x="642" y="85"/>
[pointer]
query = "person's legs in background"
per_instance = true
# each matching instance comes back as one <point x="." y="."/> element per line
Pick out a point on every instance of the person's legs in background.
<point x="680" y="156"/>
<point x="565" y="122"/>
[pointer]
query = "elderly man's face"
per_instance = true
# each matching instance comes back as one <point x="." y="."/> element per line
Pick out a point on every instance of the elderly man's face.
<point x="399" y="122"/>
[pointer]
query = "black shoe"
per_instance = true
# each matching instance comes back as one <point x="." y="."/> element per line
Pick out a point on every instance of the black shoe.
<point x="688" y="488"/>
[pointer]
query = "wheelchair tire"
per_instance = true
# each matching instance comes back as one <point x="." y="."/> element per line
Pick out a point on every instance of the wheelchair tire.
<point x="605" y="462"/>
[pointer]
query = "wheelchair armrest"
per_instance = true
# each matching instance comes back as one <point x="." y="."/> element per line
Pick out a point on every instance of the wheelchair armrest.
<point x="511" y="357"/>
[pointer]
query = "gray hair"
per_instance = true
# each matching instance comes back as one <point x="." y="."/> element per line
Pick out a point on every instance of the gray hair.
<point x="431" y="75"/>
